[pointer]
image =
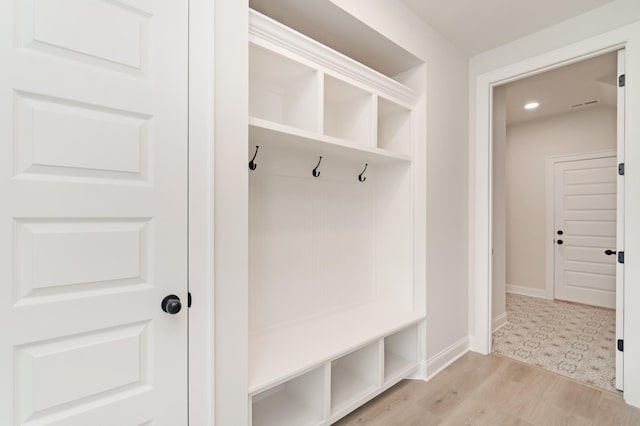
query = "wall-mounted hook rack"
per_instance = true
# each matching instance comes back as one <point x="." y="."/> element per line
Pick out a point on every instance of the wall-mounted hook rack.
<point x="252" y="164"/>
<point x="360" y="177"/>
<point x="315" y="171"/>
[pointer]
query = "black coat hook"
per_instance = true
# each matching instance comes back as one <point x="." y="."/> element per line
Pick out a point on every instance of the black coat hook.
<point x="252" y="163"/>
<point x="360" y="177"/>
<point x="315" y="171"/>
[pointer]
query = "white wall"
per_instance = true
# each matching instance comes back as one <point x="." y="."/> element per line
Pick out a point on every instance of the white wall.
<point x="498" y="296"/>
<point x="447" y="133"/>
<point x="528" y="145"/>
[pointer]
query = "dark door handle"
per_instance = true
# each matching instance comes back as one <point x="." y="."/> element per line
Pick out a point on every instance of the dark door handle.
<point x="171" y="304"/>
<point x="609" y="252"/>
<point x="560" y="242"/>
<point x="560" y="232"/>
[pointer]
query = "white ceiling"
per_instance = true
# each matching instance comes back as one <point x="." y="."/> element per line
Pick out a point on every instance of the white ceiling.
<point x="475" y="26"/>
<point x="560" y="89"/>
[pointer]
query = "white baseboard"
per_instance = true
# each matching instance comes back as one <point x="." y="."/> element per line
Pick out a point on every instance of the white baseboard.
<point x="540" y="293"/>
<point x="444" y="358"/>
<point x="499" y="321"/>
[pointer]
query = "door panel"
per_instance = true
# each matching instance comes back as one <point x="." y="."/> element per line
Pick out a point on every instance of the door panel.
<point x="591" y="267"/>
<point x="93" y="219"/>
<point x="578" y="252"/>
<point x="585" y="210"/>
<point x="586" y="229"/>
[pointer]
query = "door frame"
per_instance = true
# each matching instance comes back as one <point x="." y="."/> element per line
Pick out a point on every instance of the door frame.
<point x="549" y="198"/>
<point x="218" y="279"/>
<point x="200" y="229"/>
<point x="480" y="228"/>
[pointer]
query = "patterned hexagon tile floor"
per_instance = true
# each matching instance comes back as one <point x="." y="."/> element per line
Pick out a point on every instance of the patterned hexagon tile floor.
<point x="573" y="340"/>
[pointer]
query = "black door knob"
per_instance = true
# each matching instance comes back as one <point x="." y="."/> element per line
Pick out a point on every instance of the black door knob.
<point x="560" y="242"/>
<point x="609" y="252"/>
<point x="560" y="232"/>
<point x="171" y="304"/>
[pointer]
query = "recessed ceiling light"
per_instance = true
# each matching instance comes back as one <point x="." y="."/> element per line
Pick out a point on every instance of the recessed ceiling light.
<point x="532" y="105"/>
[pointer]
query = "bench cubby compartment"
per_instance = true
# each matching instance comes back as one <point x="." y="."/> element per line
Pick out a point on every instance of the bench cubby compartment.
<point x="297" y="402"/>
<point x="400" y="353"/>
<point x="353" y="377"/>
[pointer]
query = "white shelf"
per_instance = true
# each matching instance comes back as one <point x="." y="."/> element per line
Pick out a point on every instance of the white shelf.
<point x="309" y="344"/>
<point x="276" y="135"/>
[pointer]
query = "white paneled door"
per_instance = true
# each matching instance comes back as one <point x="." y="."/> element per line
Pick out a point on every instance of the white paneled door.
<point x="585" y="226"/>
<point x="93" y="212"/>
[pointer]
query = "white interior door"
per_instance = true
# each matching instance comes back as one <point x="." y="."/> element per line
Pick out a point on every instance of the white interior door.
<point x="620" y="226"/>
<point x="93" y="211"/>
<point x="585" y="224"/>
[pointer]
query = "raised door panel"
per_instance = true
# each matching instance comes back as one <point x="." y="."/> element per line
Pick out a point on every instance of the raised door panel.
<point x="60" y="138"/>
<point x="98" y="255"/>
<point x="84" y="30"/>
<point x="42" y="368"/>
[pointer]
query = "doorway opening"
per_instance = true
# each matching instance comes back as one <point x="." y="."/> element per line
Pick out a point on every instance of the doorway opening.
<point x="556" y="212"/>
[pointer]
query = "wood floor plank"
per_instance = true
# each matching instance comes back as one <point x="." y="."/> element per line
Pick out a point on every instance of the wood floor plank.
<point x="548" y="414"/>
<point x="575" y="398"/>
<point x="396" y="406"/>
<point x="513" y="394"/>
<point x="475" y="412"/>
<point x="493" y="390"/>
<point x="613" y="411"/>
<point x="468" y="375"/>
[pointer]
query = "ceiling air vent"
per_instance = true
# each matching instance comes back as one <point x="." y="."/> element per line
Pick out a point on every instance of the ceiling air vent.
<point x="584" y="104"/>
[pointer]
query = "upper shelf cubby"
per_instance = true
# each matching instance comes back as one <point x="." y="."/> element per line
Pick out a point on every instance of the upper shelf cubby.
<point x="348" y="112"/>
<point x="394" y="127"/>
<point x="282" y="90"/>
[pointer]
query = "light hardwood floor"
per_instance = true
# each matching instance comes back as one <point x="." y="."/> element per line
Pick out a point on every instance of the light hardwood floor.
<point x="492" y="390"/>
